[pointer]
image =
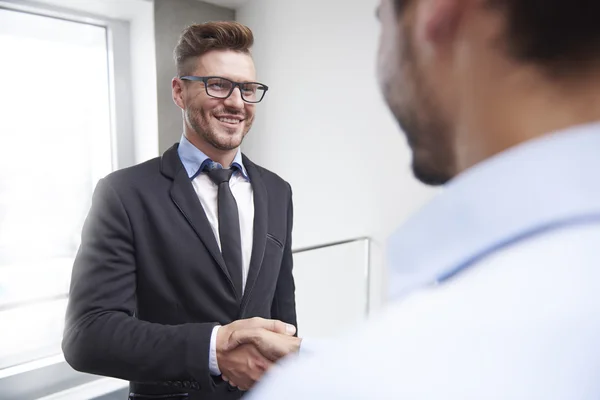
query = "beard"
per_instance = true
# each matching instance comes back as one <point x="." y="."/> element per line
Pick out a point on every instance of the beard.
<point x="413" y="102"/>
<point x="427" y="135"/>
<point x="208" y="128"/>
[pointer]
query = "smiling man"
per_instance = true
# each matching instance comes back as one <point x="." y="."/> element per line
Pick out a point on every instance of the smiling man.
<point x="179" y="253"/>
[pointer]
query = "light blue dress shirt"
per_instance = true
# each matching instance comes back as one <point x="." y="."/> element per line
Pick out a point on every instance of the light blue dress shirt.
<point x="194" y="160"/>
<point x="497" y="288"/>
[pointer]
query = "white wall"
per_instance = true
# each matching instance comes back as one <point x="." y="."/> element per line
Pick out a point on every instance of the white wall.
<point x="324" y="126"/>
<point x="331" y="292"/>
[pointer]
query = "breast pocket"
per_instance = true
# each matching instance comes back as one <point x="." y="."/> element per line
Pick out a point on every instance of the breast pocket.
<point x="272" y="259"/>
<point x="275" y="240"/>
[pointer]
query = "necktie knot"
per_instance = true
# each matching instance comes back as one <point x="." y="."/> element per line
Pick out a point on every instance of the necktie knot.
<point x="220" y="175"/>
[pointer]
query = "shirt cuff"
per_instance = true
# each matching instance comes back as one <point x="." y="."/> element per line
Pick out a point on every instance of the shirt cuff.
<point x="213" y="364"/>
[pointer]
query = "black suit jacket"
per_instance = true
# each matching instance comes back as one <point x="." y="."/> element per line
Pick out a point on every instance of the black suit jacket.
<point x="149" y="282"/>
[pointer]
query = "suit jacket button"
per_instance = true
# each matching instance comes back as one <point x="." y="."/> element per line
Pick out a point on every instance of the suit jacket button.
<point x="177" y="384"/>
<point x="231" y="388"/>
<point x="195" y="386"/>
<point x="186" y="384"/>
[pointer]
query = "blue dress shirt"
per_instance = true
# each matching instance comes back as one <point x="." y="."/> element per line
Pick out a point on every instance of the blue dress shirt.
<point x="194" y="160"/>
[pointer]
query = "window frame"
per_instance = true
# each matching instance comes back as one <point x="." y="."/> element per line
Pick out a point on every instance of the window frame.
<point x="51" y="374"/>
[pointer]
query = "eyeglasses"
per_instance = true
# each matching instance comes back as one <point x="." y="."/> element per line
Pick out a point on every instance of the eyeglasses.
<point x="221" y="88"/>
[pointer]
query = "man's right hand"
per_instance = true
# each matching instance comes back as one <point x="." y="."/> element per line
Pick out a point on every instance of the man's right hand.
<point x="271" y="345"/>
<point x="247" y="348"/>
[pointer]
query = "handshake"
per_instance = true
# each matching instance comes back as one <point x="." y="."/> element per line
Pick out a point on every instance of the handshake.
<point x="247" y="348"/>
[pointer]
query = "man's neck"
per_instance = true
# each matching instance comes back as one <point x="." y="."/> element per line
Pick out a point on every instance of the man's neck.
<point x="223" y="157"/>
<point x="526" y="108"/>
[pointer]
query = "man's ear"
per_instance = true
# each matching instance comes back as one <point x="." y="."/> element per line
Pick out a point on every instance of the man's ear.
<point x="439" y="20"/>
<point x="177" y="92"/>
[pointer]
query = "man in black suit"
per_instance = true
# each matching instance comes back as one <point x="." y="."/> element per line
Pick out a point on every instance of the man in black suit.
<point x="184" y="275"/>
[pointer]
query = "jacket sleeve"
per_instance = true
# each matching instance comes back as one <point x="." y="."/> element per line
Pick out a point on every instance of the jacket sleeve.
<point x="102" y="335"/>
<point x="284" y="301"/>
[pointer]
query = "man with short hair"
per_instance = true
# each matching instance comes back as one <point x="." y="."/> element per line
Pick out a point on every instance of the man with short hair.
<point x="500" y="273"/>
<point x="178" y="253"/>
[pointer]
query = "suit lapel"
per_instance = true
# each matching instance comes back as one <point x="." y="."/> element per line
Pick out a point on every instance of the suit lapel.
<point x="185" y="198"/>
<point x="261" y="222"/>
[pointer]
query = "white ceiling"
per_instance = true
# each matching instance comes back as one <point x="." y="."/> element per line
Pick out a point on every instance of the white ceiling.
<point x="227" y="3"/>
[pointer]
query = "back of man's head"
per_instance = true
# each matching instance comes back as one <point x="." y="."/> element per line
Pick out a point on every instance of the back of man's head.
<point x="553" y="33"/>
<point x="559" y="35"/>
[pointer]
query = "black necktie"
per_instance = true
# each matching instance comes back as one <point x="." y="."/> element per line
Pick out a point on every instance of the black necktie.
<point x="229" y="226"/>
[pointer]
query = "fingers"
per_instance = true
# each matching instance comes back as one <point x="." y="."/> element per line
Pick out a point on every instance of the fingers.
<point x="258" y="364"/>
<point x="249" y="365"/>
<point x="263" y="340"/>
<point x="271" y="345"/>
<point x="276" y="326"/>
<point x="243" y="336"/>
<point x="272" y="325"/>
<point x="233" y="384"/>
<point x="227" y="339"/>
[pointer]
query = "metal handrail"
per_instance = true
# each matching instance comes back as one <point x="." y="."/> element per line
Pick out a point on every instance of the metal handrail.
<point x="330" y="244"/>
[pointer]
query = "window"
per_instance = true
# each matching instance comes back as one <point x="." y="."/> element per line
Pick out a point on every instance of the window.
<point x="56" y="142"/>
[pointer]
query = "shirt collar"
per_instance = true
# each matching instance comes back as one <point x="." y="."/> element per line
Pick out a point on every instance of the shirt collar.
<point x="530" y="188"/>
<point x="193" y="159"/>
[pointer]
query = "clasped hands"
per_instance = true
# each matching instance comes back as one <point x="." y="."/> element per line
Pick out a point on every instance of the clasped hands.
<point x="247" y="348"/>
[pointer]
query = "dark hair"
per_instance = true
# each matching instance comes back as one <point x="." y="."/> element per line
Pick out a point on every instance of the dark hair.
<point x="555" y="34"/>
<point x="199" y="39"/>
